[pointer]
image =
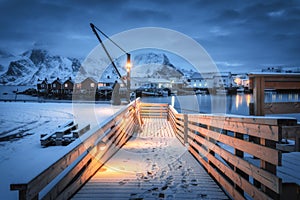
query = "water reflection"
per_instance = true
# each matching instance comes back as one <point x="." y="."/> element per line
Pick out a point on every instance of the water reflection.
<point x="239" y="104"/>
<point x="281" y="97"/>
<point x="232" y="104"/>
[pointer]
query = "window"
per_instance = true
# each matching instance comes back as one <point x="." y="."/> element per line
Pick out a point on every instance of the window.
<point x="66" y="85"/>
<point x="92" y="85"/>
<point x="54" y="85"/>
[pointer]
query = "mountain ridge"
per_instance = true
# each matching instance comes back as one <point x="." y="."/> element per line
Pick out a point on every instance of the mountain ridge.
<point x="38" y="64"/>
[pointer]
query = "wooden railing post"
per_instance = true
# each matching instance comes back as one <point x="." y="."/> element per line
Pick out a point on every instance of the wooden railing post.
<point x="269" y="167"/>
<point x="239" y="154"/>
<point x="185" y="119"/>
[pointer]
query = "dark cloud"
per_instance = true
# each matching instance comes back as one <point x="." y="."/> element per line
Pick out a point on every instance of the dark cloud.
<point x="248" y="32"/>
<point x="145" y="15"/>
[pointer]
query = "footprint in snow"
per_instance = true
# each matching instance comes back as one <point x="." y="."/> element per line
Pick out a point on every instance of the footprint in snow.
<point x="123" y="182"/>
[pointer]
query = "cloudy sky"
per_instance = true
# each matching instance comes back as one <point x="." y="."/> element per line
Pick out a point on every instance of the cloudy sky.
<point x="241" y="34"/>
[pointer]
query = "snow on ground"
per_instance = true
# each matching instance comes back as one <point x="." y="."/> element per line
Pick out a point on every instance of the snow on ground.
<point x="23" y="158"/>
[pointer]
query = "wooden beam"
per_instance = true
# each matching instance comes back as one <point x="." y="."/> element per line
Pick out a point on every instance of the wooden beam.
<point x="247" y="126"/>
<point x="282" y="107"/>
<point x="259" y="95"/>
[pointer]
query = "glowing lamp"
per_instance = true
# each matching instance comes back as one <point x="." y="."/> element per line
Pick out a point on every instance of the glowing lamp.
<point x="101" y="146"/>
<point x="128" y="63"/>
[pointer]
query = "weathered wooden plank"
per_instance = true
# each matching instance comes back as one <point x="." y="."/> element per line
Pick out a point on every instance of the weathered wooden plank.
<point x="266" y="178"/>
<point x="286" y="148"/>
<point x="239" y="180"/>
<point x="264" y="153"/>
<point x="143" y="110"/>
<point x="172" y="121"/>
<point x="282" y="83"/>
<point x="154" y="104"/>
<point x="270" y="132"/>
<point x="290" y="131"/>
<point x="282" y="107"/>
<point x="260" y="120"/>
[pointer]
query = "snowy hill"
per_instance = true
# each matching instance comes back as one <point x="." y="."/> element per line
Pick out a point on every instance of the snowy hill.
<point x="145" y="65"/>
<point x="36" y="64"/>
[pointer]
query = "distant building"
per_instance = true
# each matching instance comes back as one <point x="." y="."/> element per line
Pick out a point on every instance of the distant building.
<point x="273" y="69"/>
<point x="241" y="80"/>
<point x="68" y="86"/>
<point x="223" y="80"/>
<point x="56" y="87"/>
<point x="105" y="82"/>
<point x="197" y="81"/>
<point x="88" y="86"/>
<point x="42" y="86"/>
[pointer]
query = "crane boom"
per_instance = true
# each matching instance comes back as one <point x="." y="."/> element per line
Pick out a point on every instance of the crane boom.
<point x="108" y="55"/>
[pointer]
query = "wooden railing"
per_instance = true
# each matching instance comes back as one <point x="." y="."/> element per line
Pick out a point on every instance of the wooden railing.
<point x="244" y="169"/>
<point x="154" y="110"/>
<point x="70" y="172"/>
<point x="221" y="144"/>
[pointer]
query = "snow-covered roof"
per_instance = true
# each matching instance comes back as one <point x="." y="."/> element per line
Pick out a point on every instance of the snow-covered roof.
<point x="196" y="76"/>
<point x="106" y="80"/>
<point x="57" y="81"/>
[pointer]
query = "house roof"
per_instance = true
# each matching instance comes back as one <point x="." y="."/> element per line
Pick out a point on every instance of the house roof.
<point x="107" y="80"/>
<point x="69" y="80"/>
<point x="89" y="79"/>
<point x="57" y="81"/>
<point x="196" y="76"/>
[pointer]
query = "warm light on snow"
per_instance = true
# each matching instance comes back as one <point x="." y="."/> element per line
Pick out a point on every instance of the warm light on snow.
<point x="22" y="159"/>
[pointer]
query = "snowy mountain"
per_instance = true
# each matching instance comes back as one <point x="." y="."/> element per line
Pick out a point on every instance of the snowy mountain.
<point x="5" y="59"/>
<point x="27" y="68"/>
<point x="145" y="65"/>
<point x="36" y="64"/>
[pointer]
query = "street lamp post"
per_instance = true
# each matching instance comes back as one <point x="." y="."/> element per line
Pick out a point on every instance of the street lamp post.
<point x="128" y="68"/>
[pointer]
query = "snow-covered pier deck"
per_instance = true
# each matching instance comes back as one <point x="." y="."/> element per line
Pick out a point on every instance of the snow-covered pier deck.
<point x="153" y="164"/>
<point x="150" y="151"/>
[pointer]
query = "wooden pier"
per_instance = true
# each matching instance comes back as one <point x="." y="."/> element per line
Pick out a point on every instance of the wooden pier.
<point x="163" y="169"/>
<point x="215" y="158"/>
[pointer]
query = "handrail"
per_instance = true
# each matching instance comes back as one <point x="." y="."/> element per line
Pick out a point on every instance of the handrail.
<point x="71" y="171"/>
<point x="221" y="144"/>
